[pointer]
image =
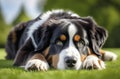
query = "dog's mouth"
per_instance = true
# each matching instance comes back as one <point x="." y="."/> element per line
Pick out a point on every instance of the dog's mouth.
<point x="72" y="67"/>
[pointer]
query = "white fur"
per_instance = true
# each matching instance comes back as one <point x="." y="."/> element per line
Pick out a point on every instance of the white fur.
<point x="109" y="56"/>
<point x="71" y="51"/>
<point x="71" y="31"/>
<point x="92" y="60"/>
<point x="33" y="41"/>
<point x="61" y="10"/>
<point x="40" y="65"/>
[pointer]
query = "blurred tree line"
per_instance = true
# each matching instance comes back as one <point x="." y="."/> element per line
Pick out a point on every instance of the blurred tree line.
<point x="5" y="28"/>
<point x="105" y="12"/>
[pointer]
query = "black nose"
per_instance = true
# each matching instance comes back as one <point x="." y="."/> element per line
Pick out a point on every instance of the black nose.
<point x="70" y="61"/>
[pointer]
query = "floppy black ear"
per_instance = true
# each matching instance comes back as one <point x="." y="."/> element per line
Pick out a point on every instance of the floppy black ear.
<point x="96" y="35"/>
<point x="48" y="30"/>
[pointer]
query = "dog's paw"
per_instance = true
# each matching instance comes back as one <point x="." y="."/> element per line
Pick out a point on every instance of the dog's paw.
<point x="109" y="56"/>
<point x="93" y="62"/>
<point x="36" y="64"/>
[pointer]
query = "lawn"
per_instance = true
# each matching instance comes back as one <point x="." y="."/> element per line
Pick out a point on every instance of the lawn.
<point x="112" y="71"/>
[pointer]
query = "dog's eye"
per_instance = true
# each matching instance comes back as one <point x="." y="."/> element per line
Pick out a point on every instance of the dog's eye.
<point x="60" y="43"/>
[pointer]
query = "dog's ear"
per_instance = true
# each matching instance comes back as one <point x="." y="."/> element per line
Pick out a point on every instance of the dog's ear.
<point x="96" y="35"/>
<point x="48" y="29"/>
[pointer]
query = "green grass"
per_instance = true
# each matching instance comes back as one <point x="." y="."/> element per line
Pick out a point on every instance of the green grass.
<point x="7" y="71"/>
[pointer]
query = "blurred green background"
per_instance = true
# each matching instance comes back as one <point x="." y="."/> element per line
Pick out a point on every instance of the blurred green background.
<point x="105" y="12"/>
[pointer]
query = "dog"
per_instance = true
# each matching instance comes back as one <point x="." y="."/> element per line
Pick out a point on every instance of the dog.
<point x="58" y="39"/>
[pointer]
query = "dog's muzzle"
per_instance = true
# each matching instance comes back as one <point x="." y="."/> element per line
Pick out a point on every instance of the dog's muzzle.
<point x="70" y="61"/>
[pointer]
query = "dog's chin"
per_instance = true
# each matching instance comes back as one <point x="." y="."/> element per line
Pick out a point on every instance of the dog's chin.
<point x="72" y="68"/>
<point x="78" y="66"/>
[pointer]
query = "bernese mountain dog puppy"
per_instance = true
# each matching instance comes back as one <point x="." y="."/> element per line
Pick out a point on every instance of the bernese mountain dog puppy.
<point x="59" y="39"/>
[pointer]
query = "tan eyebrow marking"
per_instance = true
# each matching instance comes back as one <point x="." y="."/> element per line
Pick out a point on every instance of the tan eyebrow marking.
<point x="63" y="37"/>
<point x="77" y="38"/>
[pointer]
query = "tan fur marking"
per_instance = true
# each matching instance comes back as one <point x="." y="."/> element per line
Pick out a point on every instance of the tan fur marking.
<point x="89" y="51"/>
<point x="99" y="61"/>
<point x="46" y="51"/>
<point x="38" y="56"/>
<point x="55" y="59"/>
<point x="14" y="38"/>
<point x="102" y="52"/>
<point x="83" y="57"/>
<point x="63" y="38"/>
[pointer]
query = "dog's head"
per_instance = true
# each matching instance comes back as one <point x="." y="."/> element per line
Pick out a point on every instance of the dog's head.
<point x="68" y="39"/>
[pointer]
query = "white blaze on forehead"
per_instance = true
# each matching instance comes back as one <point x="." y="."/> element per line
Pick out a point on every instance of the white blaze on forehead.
<point x="71" y="31"/>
